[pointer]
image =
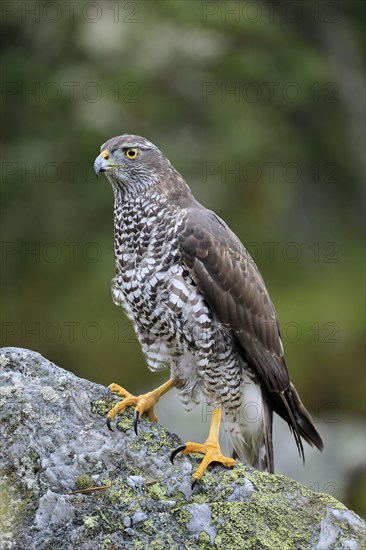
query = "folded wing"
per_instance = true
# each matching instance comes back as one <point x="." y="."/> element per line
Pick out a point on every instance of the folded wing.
<point x="234" y="289"/>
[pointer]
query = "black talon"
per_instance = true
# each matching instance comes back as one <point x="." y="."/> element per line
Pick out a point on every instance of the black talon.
<point x="194" y="482"/>
<point x="107" y="391"/>
<point x="176" y="451"/>
<point x="109" y="424"/>
<point x="135" y="420"/>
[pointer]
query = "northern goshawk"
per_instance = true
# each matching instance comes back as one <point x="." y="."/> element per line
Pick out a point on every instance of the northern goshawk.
<point x="199" y="306"/>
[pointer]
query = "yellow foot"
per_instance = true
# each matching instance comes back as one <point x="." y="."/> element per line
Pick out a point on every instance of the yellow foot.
<point x="143" y="403"/>
<point x="211" y="448"/>
<point x="212" y="452"/>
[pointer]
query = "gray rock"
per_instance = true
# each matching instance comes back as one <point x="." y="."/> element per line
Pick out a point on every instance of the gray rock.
<point x="55" y="442"/>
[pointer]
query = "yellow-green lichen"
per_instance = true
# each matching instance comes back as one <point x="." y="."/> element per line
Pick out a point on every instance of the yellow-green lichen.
<point x="161" y="541"/>
<point x="204" y="540"/>
<point x="103" y="405"/>
<point x="90" y="522"/>
<point x="181" y="515"/>
<point x="157" y="491"/>
<point x="135" y="445"/>
<point x="12" y="503"/>
<point x="125" y="421"/>
<point x="248" y="529"/>
<point x="121" y="493"/>
<point x="148" y="527"/>
<point x="139" y="545"/>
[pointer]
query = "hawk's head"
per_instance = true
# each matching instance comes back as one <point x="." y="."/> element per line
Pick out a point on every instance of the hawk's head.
<point x="131" y="162"/>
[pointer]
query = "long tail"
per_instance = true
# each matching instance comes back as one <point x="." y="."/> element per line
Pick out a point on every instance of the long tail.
<point x="304" y="426"/>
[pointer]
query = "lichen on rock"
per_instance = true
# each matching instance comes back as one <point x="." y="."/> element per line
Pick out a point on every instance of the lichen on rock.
<point x="57" y="452"/>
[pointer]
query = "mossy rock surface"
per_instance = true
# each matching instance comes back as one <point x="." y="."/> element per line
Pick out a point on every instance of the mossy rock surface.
<point x="56" y="450"/>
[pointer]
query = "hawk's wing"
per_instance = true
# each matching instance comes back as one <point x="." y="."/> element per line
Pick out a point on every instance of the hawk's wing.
<point x="234" y="289"/>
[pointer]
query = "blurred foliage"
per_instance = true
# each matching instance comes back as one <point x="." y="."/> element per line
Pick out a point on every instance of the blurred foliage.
<point x="164" y="70"/>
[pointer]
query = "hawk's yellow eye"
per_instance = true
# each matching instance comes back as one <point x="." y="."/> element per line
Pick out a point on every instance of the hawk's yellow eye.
<point x="131" y="153"/>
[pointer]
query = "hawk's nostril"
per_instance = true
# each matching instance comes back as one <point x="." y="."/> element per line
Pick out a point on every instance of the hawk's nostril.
<point x="105" y="154"/>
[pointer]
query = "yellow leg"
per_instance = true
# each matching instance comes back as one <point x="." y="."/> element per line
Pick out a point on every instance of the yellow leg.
<point x="211" y="448"/>
<point x="143" y="403"/>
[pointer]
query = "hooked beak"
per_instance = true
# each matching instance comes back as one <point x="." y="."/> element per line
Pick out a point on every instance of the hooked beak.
<point x="101" y="163"/>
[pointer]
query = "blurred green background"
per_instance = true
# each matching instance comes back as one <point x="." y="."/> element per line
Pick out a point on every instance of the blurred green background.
<point x="261" y="107"/>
